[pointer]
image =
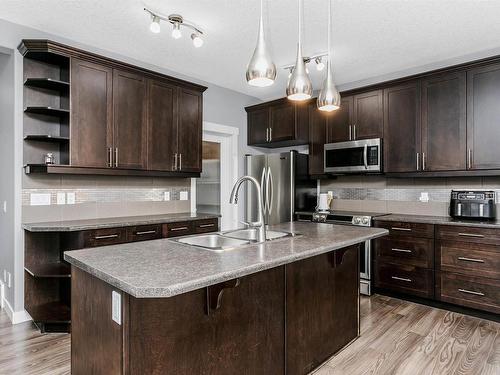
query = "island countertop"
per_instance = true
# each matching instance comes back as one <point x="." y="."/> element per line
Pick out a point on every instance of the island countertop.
<point x="163" y="268"/>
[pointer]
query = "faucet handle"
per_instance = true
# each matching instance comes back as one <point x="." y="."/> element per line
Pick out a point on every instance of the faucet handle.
<point x="251" y="224"/>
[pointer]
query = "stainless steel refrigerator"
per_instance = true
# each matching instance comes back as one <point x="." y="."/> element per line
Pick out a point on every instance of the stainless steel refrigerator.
<point x="286" y="186"/>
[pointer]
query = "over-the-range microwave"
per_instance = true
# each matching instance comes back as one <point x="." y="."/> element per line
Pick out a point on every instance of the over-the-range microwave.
<point x="363" y="156"/>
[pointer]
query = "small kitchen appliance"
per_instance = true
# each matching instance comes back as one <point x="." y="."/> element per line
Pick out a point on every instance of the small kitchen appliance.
<point x="362" y="156"/>
<point x="478" y="204"/>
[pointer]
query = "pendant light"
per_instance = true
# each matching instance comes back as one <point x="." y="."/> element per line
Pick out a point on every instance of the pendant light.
<point x="329" y="97"/>
<point x="261" y="70"/>
<point x="299" y="85"/>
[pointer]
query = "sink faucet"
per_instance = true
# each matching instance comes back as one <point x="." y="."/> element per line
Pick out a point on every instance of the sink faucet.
<point x="259" y="224"/>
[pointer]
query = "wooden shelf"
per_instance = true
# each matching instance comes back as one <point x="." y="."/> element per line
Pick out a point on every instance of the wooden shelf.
<point x="52" y="312"/>
<point x="46" y="138"/>
<point x="47" y="83"/>
<point x="48" y="111"/>
<point x="49" y="270"/>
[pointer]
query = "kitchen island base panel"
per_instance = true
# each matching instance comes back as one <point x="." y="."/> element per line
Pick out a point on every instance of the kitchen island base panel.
<point x="240" y="327"/>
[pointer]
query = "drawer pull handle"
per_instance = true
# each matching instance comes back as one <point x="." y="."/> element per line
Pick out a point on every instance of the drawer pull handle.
<point x="145" y="232"/>
<point x="471" y="260"/>
<point x="106" y="237"/>
<point x="471" y="292"/>
<point x="471" y="235"/>
<point x="178" y="228"/>
<point x="402" y="250"/>
<point x="401" y="229"/>
<point x="401" y="279"/>
<point x="206" y="225"/>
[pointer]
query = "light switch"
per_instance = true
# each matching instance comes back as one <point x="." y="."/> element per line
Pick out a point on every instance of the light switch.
<point x="184" y="196"/>
<point x="9" y="279"/>
<point x="116" y="307"/>
<point x="5" y="206"/>
<point x="40" y="199"/>
<point x="61" y="198"/>
<point x="71" y="198"/>
<point x="166" y="195"/>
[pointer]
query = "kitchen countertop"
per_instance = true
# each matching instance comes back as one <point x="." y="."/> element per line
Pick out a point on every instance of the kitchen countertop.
<point x="163" y="268"/>
<point x="126" y="221"/>
<point x="444" y="220"/>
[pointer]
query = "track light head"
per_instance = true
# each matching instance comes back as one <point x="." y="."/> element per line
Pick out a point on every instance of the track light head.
<point x="176" y="31"/>
<point x="197" y="40"/>
<point x="155" y="24"/>
<point x="320" y="65"/>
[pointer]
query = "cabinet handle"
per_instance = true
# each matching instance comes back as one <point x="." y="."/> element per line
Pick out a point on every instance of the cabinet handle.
<point x="175" y="161"/>
<point x="401" y="279"/>
<point x="270" y="134"/>
<point x="423" y="161"/>
<point x="206" y="225"/>
<point x="116" y="157"/>
<point x="180" y="162"/>
<point x="179" y="228"/>
<point x="401" y="229"/>
<point x="350" y="132"/>
<point x="402" y="250"/>
<point x="267" y="134"/>
<point x="471" y="292"/>
<point x="354" y="132"/>
<point x="471" y="260"/>
<point x="105" y="237"/>
<point x="110" y="157"/>
<point x="145" y="232"/>
<point x="471" y="235"/>
<point x="418" y="161"/>
<point x="469" y="158"/>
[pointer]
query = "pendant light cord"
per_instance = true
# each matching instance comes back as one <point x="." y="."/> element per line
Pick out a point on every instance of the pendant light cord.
<point x="300" y="23"/>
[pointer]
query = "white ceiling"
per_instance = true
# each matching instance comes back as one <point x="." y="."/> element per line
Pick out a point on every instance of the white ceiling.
<point x="371" y="38"/>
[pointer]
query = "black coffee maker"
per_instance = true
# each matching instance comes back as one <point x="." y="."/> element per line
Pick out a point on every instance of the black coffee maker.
<point x="473" y="204"/>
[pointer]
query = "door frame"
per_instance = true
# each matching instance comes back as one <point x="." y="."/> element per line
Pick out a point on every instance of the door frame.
<point x="227" y="136"/>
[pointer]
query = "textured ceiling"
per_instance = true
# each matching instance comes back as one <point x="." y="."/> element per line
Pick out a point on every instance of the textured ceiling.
<point x="371" y="38"/>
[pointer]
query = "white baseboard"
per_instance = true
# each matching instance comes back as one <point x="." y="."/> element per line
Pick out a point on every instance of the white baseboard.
<point x="15" y="317"/>
<point x="2" y="295"/>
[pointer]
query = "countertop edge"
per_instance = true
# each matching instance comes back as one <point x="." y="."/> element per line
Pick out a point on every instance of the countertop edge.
<point x="436" y="220"/>
<point x="186" y="287"/>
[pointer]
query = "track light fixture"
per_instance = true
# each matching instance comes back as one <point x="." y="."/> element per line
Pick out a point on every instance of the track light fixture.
<point x="177" y="22"/>
<point x="320" y="65"/>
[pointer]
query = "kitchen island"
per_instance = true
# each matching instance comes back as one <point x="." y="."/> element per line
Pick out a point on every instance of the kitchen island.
<point x="281" y="307"/>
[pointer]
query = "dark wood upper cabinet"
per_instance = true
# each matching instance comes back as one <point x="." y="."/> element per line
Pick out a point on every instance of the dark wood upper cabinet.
<point x="162" y="125"/>
<point x="258" y="126"/>
<point x="282" y="120"/>
<point x="129" y="120"/>
<point x="444" y="122"/>
<point x="91" y="114"/>
<point x="368" y="115"/>
<point x="189" y="130"/>
<point x="402" y="128"/>
<point x="483" y="117"/>
<point x="339" y="127"/>
<point x="317" y="137"/>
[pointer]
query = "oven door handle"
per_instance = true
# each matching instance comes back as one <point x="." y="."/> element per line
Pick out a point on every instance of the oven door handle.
<point x="365" y="156"/>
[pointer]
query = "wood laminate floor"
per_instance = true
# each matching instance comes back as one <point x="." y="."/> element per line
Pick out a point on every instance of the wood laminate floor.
<point x="397" y="337"/>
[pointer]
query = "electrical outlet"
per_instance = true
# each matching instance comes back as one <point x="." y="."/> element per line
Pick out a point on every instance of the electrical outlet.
<point x="61" y="198"/>
<point x="9" y="280"/>
<point x="183" y="196"/>
<point x="40" y="199"/>
<point x="71" y="198"/>
<point x="166" y="195"/>
<point x="424" y="197"/>
<point x="116" y="307"/>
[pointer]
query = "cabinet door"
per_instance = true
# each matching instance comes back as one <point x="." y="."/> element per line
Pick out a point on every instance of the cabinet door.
<point x="444" y="123"/>
<point x="282" y="122"/>
<point x="402" y="128"/>
<point x="189" y="130"/>
<point x="483" y="117"/>
<point x="162" y="125"/>
<point x="258" y="125"/>
<point x="322" y="308"/>
<point x="368" y="115"/>
<point x="339" y="126"/>
<point x="129" y="120"/>
<point x="91" y="114"/>
<point x="317" y="139"/>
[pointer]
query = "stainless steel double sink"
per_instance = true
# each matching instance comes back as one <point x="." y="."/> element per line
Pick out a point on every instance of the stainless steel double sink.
<point x="230" y="240"/>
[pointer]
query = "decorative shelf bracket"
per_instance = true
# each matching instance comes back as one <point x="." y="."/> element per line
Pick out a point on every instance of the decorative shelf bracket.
<point x="215" y="292"/>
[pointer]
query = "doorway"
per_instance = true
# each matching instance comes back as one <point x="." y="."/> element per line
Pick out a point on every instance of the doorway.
<point x="211" y="192"/>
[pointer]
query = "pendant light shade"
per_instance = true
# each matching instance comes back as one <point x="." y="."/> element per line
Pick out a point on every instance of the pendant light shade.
<point x="261" y="70"/>
<point x="299" y="85"/>
<point x="329" y="96"/>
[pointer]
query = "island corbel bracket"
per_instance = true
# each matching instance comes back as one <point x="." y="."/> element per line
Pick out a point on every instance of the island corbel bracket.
<point x="337" y="257"/>
<point x="215" y="292"/>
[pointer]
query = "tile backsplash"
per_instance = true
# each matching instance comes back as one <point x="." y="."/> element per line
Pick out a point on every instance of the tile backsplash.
<point x="103" y="196"/>
<point x="391" y="195"/>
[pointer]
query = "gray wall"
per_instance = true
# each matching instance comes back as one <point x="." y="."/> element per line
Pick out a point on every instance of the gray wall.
<point x="7" y="254"/>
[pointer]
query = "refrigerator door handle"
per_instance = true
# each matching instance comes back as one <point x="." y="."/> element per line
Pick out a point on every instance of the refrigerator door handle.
<point x="263" y="190"/>
<point x="270" y="191"/>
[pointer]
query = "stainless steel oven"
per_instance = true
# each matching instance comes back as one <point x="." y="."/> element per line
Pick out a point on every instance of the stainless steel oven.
<point x="364" y="219"/>
<point x="363" y="156"/>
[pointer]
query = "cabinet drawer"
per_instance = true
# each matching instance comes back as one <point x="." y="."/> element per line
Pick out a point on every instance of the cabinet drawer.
<point x="400" y="229"/>
<point x="468" y="234"/>
<point x="405" y="279"/>
<point x="406" y="250"/>
<point x="207" y="225"/>
<point x="177" y="229"/>
<point x="143" y="232"/>
<point x="103" y="237"/>
<point x="469" y="259"/>
<point x="476" y="292"/>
